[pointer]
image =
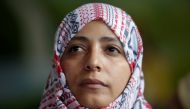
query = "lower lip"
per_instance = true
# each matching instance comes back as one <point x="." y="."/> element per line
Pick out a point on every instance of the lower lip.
<point x="92" y="86"/>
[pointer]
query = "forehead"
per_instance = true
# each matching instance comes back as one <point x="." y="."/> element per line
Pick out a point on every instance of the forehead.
<point x="96" y="29"/>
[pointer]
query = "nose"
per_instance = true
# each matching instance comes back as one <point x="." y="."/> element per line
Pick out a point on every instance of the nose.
<point x="93" y="61"/>
<point x="92" y="68"/>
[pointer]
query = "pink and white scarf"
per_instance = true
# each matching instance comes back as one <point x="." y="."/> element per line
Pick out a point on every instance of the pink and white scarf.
<point x="57" y="95"/>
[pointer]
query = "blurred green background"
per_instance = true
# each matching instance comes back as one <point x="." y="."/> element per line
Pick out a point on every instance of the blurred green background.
<point x="27" y="36"/>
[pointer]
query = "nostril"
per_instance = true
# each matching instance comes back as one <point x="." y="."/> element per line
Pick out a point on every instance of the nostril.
<point x="98" y="68"/>
<point x="92" y="68"/>
<point x="87" y="67"/>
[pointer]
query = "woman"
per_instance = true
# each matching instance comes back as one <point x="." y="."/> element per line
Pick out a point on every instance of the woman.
<point x="97" y="61"/>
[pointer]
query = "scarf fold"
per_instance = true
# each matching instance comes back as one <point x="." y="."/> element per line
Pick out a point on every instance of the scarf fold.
<point x="57" y="95"/>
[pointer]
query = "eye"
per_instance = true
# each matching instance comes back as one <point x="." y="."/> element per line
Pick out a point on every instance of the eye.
<point x="75" y="49"/>
<point x="111" y="50"/>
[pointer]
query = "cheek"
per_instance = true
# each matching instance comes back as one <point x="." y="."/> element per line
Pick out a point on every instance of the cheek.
<point x="70" y="69"/>
<point x="119" y="74"/>
<point x="118" y="68"/>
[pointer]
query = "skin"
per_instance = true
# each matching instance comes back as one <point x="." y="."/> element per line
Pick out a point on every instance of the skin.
<point x="95" y="66"/>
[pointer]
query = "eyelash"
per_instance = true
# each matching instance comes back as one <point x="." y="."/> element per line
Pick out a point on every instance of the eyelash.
<point x="75" y="48"/>
<point x="113" y="50"/>
<point x="110" y="50"/>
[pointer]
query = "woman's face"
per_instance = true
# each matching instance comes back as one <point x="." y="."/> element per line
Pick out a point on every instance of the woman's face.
<point x="95" y="66"/>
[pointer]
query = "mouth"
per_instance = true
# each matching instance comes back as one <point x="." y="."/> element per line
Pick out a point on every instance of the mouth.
<point x="92" y="84"/>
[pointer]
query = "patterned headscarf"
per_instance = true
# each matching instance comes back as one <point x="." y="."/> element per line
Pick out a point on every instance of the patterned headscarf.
<point x="57" y="95"/>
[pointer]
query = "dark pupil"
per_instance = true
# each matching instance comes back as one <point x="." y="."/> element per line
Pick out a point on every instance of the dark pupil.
<point x="74" y="49"/>
<point x="112" y="49"/>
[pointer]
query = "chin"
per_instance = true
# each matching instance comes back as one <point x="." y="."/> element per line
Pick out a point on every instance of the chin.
<point x="94" y="102"/>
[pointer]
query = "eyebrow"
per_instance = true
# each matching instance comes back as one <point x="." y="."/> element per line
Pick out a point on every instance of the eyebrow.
<point x="80" y="38"/>
<point x="108" y="39"/>
<point x="102" y="39"/>
<point x="111" y="39"/>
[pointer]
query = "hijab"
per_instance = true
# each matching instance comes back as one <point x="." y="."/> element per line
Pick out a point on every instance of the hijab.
<point x="57" y="94"/>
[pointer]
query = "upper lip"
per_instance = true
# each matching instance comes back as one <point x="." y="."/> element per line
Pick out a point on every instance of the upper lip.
<point x="92" y="81"/>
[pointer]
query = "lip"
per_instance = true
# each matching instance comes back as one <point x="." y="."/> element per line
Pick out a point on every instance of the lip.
<point x="92" y="83"/>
